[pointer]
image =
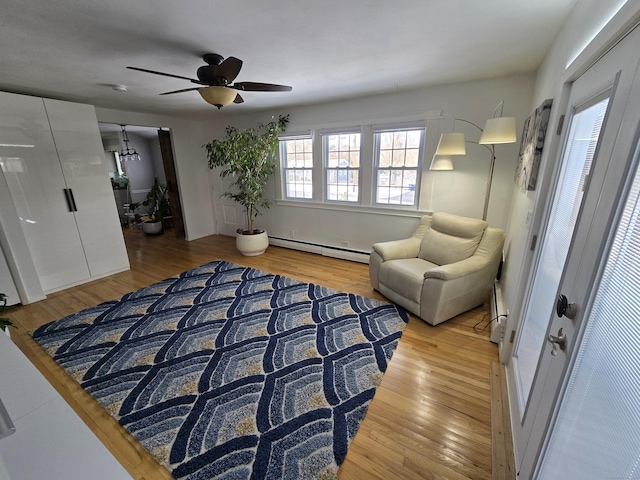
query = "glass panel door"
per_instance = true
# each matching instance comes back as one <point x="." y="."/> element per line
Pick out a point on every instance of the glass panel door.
<point x="596" y="434"/>
<point x="579" y="152"/>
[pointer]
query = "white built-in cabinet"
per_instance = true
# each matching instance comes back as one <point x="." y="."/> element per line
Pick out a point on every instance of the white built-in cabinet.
<point x="53" y="163"/>
<point x="7" y="286"/>
<point x="51" y="442"/>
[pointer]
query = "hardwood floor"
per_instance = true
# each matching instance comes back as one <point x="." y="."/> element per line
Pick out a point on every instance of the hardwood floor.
<point x="430" y="417"/>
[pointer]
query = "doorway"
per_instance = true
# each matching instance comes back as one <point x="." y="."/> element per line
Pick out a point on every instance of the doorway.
<point x="132" y="180"/>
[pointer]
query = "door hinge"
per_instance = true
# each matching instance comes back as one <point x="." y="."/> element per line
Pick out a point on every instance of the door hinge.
<point x="513" y="336"/>
<point x="560" y="124"/>
<point x="534" y="240"/>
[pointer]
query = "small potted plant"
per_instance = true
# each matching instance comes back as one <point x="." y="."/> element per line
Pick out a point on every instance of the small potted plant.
<point x="157" y="204"/>
<point x="4" y="322"/>
<point x="249" y="157"/>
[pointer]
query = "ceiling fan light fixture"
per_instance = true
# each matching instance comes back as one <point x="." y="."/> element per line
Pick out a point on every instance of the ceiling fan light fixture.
<point x="218" y="96"/>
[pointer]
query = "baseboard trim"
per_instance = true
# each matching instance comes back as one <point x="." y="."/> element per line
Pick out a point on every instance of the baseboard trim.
<point x="325" y="250"/>
<point x="86" y="280"/>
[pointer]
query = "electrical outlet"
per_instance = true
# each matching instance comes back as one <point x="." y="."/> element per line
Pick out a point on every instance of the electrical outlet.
<point x="293" y="233"/>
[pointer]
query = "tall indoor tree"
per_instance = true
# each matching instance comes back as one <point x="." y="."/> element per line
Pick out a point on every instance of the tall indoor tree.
<point x="248" y="156"/>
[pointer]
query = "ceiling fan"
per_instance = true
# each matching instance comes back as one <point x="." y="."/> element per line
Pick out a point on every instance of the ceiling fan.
<point x="216" y="78"/>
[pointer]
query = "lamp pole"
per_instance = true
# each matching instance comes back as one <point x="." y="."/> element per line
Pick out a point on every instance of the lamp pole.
<point x="492" y="150"/>
<point x="496" y="130"/>
<point x="489" y="180"/>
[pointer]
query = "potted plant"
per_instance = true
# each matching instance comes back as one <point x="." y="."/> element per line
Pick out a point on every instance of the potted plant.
<point x="4" y="322"/>
<point x="157" y="203"/>
<point x="248" y="156"/>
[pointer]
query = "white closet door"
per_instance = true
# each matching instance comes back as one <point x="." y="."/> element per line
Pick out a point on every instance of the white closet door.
<point x="77" y="138"/>
<point x="6" y="282"/>
<point x="29" y="162"/>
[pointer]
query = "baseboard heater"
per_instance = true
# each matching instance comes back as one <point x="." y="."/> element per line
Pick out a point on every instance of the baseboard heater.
<point x="498" y="314"/>
<point x="325" y="250"/>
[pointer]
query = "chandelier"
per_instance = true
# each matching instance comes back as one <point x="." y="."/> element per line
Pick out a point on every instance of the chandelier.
<point x="128" y="153"/>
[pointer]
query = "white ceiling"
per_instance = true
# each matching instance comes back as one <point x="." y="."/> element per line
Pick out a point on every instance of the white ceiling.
<point x="326" y="50"/>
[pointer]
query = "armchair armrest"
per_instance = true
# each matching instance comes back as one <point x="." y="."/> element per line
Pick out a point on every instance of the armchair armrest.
<point x="406" y="248"/>
<point x="468" y="266"/>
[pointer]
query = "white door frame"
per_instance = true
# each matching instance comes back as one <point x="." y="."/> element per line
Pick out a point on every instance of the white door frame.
<point x="563" y="101"/>
<point x="584" y="271"/>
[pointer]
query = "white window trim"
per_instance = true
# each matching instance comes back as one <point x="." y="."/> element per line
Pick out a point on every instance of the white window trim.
<point x="367" y="182"/>
<point x="325" y="133"/>
<point x="418" y="169"/>
<point x="283" y="169"/>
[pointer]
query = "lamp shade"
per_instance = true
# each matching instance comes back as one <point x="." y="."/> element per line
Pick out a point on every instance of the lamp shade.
<point x="218" y="96"/>
<point x="451" y="144"/>
<point x="441" y="162"/>
<point x="499" y="130"/>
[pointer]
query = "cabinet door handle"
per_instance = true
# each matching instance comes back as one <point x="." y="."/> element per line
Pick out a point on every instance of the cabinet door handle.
<point x="67" y="196"/>
<point x="71" y="203"/>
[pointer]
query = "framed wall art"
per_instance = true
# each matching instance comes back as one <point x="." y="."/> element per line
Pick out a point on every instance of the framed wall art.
<point x="533" y="136"/>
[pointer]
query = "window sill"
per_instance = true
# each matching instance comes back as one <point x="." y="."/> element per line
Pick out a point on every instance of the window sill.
<point x="343" y="207"/>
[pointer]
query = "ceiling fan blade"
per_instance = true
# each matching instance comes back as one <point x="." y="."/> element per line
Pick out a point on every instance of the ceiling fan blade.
<point x="165" y="74"/>
<point x="180" y="91"/>
<point x="260" y="87"/>
<point x="229" y="68"/>
<point x="238" y="99"/>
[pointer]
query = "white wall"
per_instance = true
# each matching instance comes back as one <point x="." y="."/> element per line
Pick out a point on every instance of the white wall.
<point x="191" y="165"/>
<point x="559" y="67"/>
<point x="460" y="191"/>
<point x="141" y="174"/>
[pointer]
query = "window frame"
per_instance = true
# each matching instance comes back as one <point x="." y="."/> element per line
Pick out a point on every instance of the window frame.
<point x="377" y="168"/>
<point x="285" y="169"/>
<point x="348" y="169"/>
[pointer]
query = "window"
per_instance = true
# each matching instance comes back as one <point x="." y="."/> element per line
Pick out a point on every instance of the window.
<point x="342" y="166"/>
<point x="398" y="166"/>
<point x="297" y="165"/>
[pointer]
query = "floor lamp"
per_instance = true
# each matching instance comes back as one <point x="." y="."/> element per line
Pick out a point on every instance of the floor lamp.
<point x="496" y="130"/>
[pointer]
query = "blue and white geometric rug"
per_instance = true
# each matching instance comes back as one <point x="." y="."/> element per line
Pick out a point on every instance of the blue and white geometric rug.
<point x="230" y="372"/>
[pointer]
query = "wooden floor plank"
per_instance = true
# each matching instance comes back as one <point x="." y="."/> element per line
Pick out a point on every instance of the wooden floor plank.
<point x="501" y="434"/>
<point x="431" y="418"/>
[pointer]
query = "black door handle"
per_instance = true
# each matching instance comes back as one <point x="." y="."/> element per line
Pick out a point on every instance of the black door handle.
<point x="68" y="199"/>
<point x="563" y="307"/>
<point x="71" y="203"/>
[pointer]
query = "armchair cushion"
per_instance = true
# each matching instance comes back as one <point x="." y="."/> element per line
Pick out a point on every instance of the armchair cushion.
<point x="407" y="276"/>
<point x="451" y="238"/>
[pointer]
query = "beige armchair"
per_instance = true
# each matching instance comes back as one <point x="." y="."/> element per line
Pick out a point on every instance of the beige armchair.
<point x="447" y="267"/>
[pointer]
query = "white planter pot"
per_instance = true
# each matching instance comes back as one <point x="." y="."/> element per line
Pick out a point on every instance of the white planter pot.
<point x="252" y="245"/>
<point x="152" y="228"/>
